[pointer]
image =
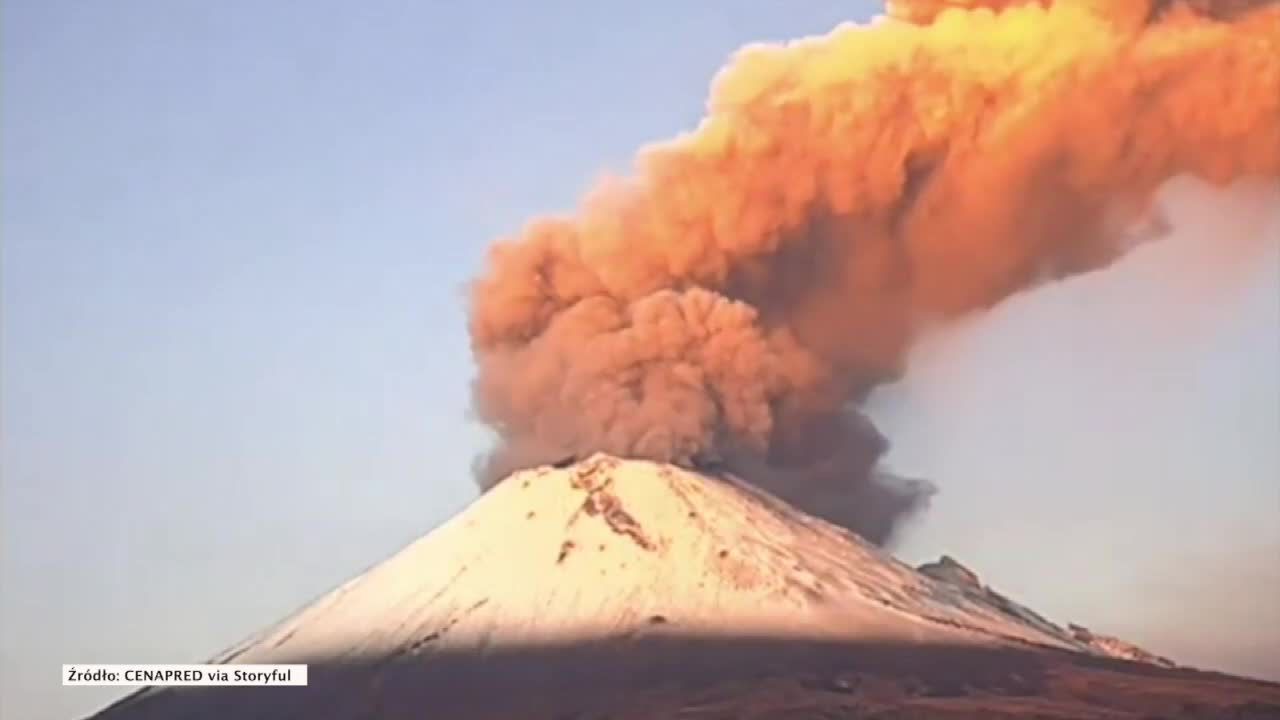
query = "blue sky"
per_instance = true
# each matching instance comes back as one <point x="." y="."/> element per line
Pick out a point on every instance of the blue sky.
<point x="235" y="369"/>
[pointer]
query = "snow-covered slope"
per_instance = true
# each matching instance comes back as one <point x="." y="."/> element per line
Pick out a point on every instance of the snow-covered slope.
<point x="664" y="575"/>
<point x="606" y="547"/>
<point x="949" y="571"/>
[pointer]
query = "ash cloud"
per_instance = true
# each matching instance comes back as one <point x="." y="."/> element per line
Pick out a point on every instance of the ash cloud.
<point x="738" y="295"/>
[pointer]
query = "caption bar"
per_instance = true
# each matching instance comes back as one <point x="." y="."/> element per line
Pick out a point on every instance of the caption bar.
<point x="159" y="675"/>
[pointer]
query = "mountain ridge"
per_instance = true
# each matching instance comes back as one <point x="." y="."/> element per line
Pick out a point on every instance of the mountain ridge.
<point x="609" y="586"/>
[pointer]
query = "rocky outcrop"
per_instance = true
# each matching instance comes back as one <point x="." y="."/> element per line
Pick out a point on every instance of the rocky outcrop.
<point x="948" y="570"/>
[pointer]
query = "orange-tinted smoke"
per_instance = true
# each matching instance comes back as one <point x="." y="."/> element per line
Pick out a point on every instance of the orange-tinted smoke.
<point x="737" y="295"/>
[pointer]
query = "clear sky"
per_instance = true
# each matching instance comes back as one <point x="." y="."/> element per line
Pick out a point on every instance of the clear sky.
<point x="235" y="370"/>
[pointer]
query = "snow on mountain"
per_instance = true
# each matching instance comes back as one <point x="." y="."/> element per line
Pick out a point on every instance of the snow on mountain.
<point x="947" y="569"/>
<point x="606" y="547"/>
<point x="608" y="574"/>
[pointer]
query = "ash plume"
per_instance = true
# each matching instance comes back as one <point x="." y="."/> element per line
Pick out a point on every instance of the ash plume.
<point x="736" y="297"/>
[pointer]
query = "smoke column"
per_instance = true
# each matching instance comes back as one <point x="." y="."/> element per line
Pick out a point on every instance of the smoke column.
<point x="738" y="295"/>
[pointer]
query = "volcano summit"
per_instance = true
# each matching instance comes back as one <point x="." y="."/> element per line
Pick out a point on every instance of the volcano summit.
<point x="614" y="588"/>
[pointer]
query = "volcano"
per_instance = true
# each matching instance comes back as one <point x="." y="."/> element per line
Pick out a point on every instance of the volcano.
<point x="630" y="589"/>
